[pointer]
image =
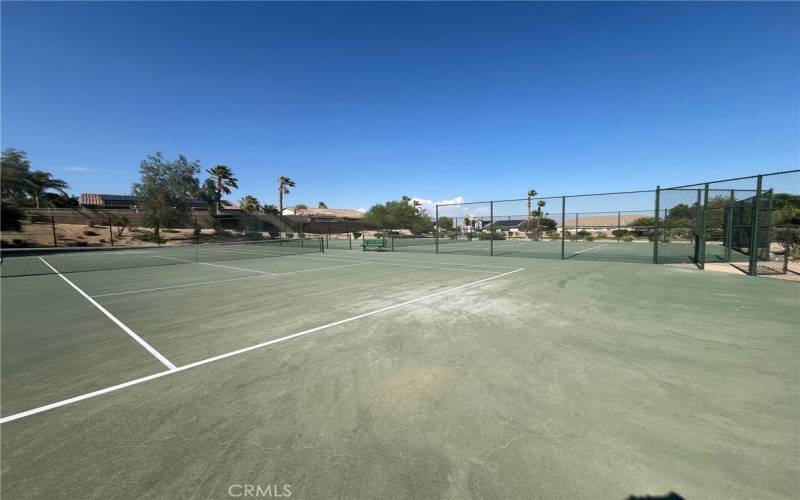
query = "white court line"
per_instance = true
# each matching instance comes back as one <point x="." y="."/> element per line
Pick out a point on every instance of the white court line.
<point x="324" y="256"/>
<point x="106" y="390"/>
<point x="201" y="283"/>
<point x="113" y="318"/>
<point x="598" y="246"/>
<point x="210" y="264"/>
<point x="411" y="265"/>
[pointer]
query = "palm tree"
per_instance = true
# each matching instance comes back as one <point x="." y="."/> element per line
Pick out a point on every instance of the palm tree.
<point x="223" y="182"/>
<point x="322" y="205"/>
<point x="539" y="205"/>
<point x="249" y="204"/>
<point x="284" y="183"/>
<point x="39" y="182"/>
<point x="270" y="210"/>
<point x="531" y="194"/>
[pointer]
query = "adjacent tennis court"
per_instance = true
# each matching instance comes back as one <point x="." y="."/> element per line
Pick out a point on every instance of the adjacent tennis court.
<point x="179" y="372"/>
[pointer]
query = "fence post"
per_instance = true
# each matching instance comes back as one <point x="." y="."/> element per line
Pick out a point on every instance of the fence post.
<point x="53" y="225"/>
<point x="729" y="229"/>
<point x="619" y="225"/>
<point x="328" y="240"/>
<point x="491" y="226"/>
<point x="436" y="233"/>
<point x="110" y="230"/>
<point x="786" y="245"/>
<point x="563" y="223"/>
<point x="655" y="225"/>
<point x="349" y="236"/>
<point x="701" y="236"/>
<point x="754" y="232"/>
<point x="577" y="216"/>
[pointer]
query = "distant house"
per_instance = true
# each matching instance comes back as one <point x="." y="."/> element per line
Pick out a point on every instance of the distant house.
<point x="126" y="201"/>
<point x="324" y="214"/>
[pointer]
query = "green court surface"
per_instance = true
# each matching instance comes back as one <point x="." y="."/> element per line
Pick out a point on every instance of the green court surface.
<point x="351" y="374"/>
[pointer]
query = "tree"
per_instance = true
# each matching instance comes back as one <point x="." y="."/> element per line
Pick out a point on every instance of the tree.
<point x="223" y="182"/>
<point x="284" y="183"/>
<point x="270" y="210"/>
<point x="249" y="204"/>
<point x="298" y="209"/>
<point x="208" y="194"/>
<point x="445" y="223"/>
<point x="548" y="224"/>
<point x="165" y="189"/>
<point x="402" y="214"/>
<point x="681" y="211"/>
<point x="15" y="173"/>
<point x="322" y="205"/>
<point x="121" y="222"/>
<point x="40" y="182"/>
<point x="531" y="194"/>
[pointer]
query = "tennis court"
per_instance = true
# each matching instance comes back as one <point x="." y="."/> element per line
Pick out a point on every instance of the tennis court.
<point x="192" y="372"/>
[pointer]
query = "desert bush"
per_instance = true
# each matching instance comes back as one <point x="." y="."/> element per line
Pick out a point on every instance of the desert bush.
<point x="89" y="232"/>
<point x="90" y="223"/>
<point x="627" y="238"/>
<point x="583" y="233"/>
<point x="590" y="238"/>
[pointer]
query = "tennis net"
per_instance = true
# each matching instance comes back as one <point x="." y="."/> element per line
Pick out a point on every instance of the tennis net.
<point x="33" y="261"/>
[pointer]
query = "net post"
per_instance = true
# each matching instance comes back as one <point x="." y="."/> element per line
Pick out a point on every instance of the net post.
<point x="655" y="225"/>
<point x="491" y="226"/>
<point x="436" y="232"/>
<point x="701" y="236"/>
<point x="53" y="225"/>
<point x="753" y="267"/>
<point x="321" y="246"/>
<point x="563" y="224"/>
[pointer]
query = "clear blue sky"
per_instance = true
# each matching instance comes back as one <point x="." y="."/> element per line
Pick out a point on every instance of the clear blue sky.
<point x="361" y="103"/>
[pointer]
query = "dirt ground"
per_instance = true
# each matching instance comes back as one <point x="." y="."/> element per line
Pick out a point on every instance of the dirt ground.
<point x="41" y="235"/>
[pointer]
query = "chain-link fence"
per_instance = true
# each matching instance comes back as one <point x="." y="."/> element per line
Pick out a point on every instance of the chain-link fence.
<point x="84" y="227"/>
<point x="751" y="224"/>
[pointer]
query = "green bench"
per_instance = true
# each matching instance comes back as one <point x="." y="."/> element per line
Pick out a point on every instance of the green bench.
<point x="378" y="244"/>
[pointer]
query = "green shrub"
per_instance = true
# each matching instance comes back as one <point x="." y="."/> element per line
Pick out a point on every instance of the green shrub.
<point x="12" y="218"/>
<point x="628" y="238"/>
<point x="590" y="238"/>
<point x="583" y="233"/>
